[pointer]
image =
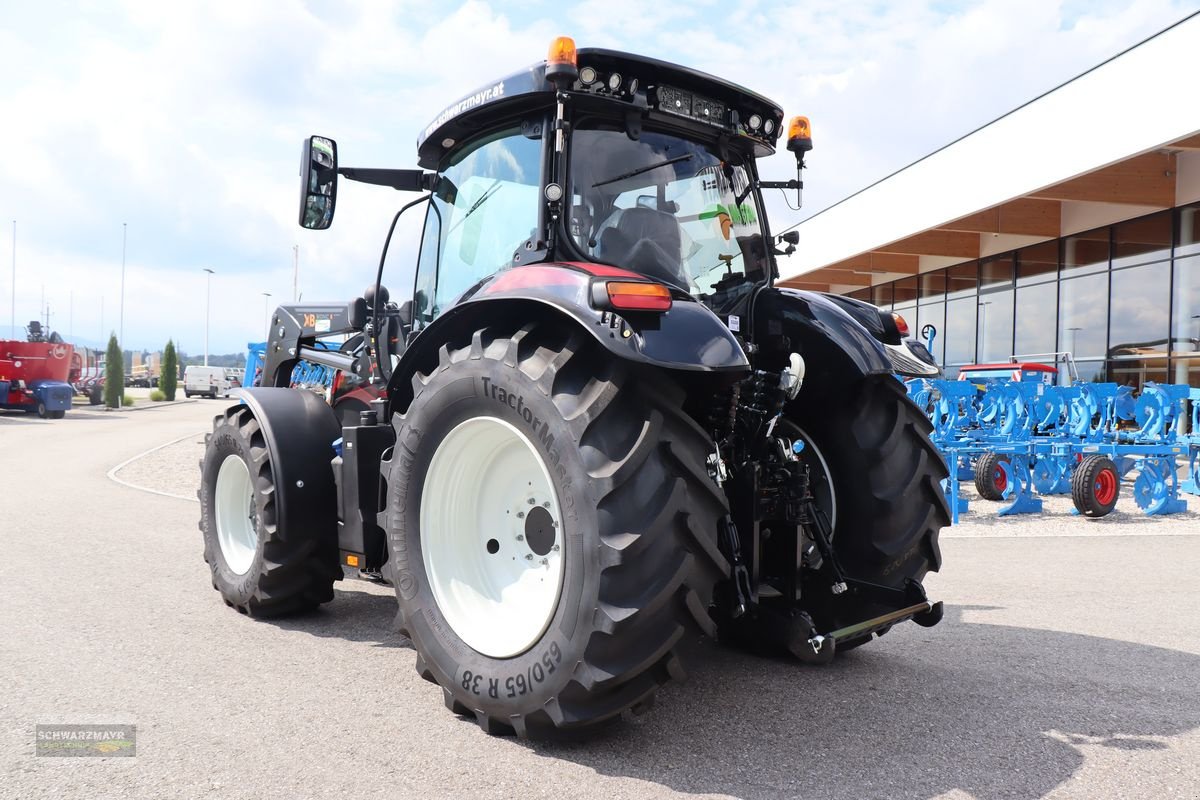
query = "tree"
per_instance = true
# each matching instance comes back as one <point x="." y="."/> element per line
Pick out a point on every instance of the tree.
<point x="168" y="380"/>
<point x="114" y="373"/>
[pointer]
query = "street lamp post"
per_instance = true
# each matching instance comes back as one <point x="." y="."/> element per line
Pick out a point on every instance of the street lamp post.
<point x="121" y="324"/>
<point x="267" y="311"/>
<point x="207" y="306"/>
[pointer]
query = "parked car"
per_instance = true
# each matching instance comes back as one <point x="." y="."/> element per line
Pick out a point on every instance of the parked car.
<point x="210" y="381"/>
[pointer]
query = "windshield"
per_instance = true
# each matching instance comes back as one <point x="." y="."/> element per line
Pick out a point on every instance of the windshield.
<point x="663" y="206"/>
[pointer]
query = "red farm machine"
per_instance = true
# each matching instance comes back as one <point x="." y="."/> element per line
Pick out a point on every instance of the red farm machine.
<point x="34" y="374"/>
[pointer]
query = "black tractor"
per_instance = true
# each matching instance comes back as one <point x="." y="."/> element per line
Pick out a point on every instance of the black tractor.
<point x="596" y="430"/>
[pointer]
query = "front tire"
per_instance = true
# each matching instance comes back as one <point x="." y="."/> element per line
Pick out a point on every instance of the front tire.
<point x="257" y="569"/>
<point x="627" y="528"/>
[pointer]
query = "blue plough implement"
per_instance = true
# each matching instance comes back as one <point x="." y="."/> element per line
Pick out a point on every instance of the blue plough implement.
<point x="1022" y="440"/>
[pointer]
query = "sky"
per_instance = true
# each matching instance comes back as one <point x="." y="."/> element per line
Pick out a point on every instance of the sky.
<point x="180" y="124"/>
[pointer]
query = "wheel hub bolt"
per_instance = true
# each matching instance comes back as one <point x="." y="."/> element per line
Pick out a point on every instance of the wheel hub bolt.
<point x="531" y="501"/>
<point x="520" y="515"/>
<point x="520" y="537"/>
<point x="555" y="548"/>
<point x="546" y="504"/>
<point x="545" y="562"/>
<point x="529" y="556"/>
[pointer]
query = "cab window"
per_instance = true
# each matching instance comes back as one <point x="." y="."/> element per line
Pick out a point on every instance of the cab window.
<point x="484" y="208"/>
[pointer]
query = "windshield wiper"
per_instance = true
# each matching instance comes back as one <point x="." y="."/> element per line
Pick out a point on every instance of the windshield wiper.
<point x="639" y="171"/>
<point x="483" y="198"/>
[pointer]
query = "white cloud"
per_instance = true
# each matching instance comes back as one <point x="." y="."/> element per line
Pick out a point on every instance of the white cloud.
<point x="184" y="120"/>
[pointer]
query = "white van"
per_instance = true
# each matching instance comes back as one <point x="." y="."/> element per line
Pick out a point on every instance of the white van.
<point x="209" y="381"/>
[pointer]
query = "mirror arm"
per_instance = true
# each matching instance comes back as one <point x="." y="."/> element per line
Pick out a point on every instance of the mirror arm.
<point x="404" y="180"/>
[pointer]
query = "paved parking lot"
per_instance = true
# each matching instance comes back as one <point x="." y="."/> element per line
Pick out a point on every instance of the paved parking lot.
<point x="1067" y="666"/>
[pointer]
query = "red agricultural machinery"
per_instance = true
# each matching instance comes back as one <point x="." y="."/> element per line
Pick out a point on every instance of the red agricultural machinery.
<point x="34" y="374"/>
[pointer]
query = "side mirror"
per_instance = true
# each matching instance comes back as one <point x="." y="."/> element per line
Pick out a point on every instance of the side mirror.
<point x="791" y="237"/>
<point x="406" y="313"/>
<point x="318" y="182"/>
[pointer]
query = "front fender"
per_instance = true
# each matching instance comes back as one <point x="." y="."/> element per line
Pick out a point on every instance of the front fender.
<point x="299" y="429"/>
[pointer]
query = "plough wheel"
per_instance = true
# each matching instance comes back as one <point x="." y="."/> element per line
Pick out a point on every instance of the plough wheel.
<point x="990" y="480"/>
<point x="1095" y="486"/>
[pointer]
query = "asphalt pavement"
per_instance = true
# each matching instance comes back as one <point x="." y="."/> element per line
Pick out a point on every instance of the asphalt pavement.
<point x="1066" y="667"/>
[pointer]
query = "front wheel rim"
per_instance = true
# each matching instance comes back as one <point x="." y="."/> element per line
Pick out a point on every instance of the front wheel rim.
<point x="491" y="537"/>
<point x="236" y="514"/>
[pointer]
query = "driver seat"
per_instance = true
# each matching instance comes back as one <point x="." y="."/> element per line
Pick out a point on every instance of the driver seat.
<point x="646" y="241"/>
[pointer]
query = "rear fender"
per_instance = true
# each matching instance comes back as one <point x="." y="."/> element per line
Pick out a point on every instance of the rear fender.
<point x="827" y="336"/>
<point x="688" y="339"/>
<point x="299" y="429"/>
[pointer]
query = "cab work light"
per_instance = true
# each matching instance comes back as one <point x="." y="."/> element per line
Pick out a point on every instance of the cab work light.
<point x="639" y="296"/>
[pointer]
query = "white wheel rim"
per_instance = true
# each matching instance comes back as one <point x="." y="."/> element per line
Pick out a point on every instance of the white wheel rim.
<point x="491" y="537"/>
<point x="236" y="515"/>
<point x="810" y="447"/>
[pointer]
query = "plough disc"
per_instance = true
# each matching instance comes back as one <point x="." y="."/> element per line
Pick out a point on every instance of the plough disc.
<point x="1154" y="489"/>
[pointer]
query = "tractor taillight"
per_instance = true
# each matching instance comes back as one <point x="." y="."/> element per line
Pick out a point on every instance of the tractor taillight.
<point x="901" y="324"/>
<point x="638" y="296"/>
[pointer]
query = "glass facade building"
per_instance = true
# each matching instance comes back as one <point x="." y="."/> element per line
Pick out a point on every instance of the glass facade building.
<point x="1123" y="299"/>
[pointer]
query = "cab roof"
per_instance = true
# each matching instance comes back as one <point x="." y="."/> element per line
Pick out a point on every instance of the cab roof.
<point x="668" y="93"/>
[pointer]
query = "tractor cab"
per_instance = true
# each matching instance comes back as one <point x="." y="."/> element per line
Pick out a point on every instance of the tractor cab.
<point x="592" y="157"/>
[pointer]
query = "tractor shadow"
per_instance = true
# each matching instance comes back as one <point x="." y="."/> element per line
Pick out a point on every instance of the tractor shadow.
<point x="991" y="710"/>
<point x="362" y="612"/>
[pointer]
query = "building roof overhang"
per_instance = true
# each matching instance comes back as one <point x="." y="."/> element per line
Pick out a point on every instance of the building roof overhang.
<point x="1117" y="142"/>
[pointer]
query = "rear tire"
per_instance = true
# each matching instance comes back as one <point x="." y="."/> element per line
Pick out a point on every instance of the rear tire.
<point x="41" y="410"/>
<point x="885" y="473"/>
<point x="990" y="480"/>
<point x="1095" y="486"/>
<point x="57" y="414"/>
<point x="255" y="567"/>
<point x="632" y="510"/>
